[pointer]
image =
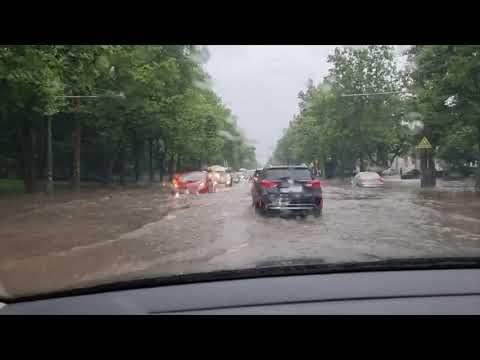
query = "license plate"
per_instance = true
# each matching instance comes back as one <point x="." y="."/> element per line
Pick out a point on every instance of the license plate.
<point x="293" y="189"/>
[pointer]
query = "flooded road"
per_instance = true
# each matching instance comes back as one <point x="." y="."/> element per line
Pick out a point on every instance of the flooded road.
<point x="221" y="231"/>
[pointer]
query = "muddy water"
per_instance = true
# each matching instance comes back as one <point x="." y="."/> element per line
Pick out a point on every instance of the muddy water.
<point x="220" y="231"/>
<point x="400" y="220"/>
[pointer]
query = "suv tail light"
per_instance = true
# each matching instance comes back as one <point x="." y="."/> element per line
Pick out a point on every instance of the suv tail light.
<point x="267" y="184"/>
<point x="313" y="184"/>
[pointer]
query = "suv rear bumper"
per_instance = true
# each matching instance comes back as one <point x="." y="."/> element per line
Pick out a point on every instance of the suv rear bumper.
<point x="293" y="207"/>
<point x="309" y="203"/>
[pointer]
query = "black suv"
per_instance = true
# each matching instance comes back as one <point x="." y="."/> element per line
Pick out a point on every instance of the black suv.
<point x="287" y="189"/>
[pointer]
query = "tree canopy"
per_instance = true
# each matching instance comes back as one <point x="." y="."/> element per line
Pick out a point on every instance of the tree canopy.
<point x="337" y="120"/>
<point x="123" y="105"/>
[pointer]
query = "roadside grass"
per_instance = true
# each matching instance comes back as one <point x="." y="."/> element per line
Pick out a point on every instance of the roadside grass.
<point x="11" y="187"/>
<point x="16" y="187"/>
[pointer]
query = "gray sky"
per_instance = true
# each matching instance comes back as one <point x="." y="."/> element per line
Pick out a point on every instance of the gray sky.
<point x="260" y="84"/>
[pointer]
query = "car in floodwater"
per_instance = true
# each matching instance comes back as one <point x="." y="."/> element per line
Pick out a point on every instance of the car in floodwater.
<point x="412" y="174"/>
<point x="221" y="175"/>
<point x="389" y="172"/>
<point x="236" y="177"/>
<point x="245" y="176"/>
<point x="195" y="182"/>
<point x="368" y="179"/>
<point x="287" y="190"/>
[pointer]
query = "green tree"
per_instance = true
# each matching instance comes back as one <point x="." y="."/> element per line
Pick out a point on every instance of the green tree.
<point x="446" y="84"/>
<point x="29" y="85"/>
<point x="168" y="114"/>
<point x="338" y="120"/>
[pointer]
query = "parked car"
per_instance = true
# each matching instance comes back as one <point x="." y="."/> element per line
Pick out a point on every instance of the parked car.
<point x="459" y="172"/>
<point x="250" y="174"/>
<point x="236" y="177"/>
<point x="368" y="179"/>
<point x="195" y="182"/>
<point x="287" y="190"/>
<point x="221" y="175"/>
<point x="440" y="173"/>
<point x="454" y="175"/>
<point x="412" y="174"/>
<point x="244" y="176"/>
<point x="389" y="172"/>
<point x="349" y="172"/>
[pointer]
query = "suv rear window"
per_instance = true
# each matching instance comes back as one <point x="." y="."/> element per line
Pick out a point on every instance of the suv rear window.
<point x="288" y="173"/>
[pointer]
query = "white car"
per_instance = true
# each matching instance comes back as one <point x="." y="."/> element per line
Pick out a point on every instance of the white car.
<point x="389" y="172"/>
<point x="368" y="179"/>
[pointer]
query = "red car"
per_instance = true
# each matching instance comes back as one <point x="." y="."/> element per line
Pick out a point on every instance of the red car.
<point x="195" y="182"/>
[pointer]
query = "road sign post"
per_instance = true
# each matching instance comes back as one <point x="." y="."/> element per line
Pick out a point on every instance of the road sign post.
<point x="427" y="165"/>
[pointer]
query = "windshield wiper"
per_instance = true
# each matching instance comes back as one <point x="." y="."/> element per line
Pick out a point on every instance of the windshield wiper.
<point x="271" y="269"/>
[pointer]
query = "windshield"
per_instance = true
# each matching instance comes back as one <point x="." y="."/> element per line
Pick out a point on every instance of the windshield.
<point x="194" y="176"/>
<point x="92" y="138"/>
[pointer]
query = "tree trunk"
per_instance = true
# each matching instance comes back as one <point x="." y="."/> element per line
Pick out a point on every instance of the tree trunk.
<point x="178" y="163"/>
<point x="29" y="158"/>
<point x="109" y="164"/>
<point x="342" y="166"/>
<point x="362" y="164"/>
<point x="20" y="163"/>
<point x="122" y="160"/>
<point x="109" y="170"/>
<point x="137" y="153"/>
<point x="150" y="160"/>
<point x="77" y="147"/>
<point x="477" y="180"/>
<point x="49" y="167"/>
<point x="160" y="157"/>
<point x="26" y="163"/>
<point x="477" y="175"/>
<point x="171" y="165"/>
<point x="42" y="150"/>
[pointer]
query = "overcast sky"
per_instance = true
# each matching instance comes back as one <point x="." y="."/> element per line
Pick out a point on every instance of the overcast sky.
<point x="260" y="84"/>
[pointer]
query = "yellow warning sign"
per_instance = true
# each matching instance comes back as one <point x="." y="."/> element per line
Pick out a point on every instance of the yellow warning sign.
<point x="424" y="144"/>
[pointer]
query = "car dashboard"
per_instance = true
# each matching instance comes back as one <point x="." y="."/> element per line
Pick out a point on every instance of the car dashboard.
<point x="439" y="292"/>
